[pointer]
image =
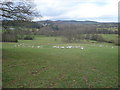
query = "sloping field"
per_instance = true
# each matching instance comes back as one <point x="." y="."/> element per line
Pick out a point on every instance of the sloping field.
<point x="25" y="65"/>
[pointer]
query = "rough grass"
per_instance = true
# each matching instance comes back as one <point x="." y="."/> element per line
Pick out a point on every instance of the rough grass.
<point x="47" y="67"/>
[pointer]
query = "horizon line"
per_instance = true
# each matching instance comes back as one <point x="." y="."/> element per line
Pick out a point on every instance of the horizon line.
<point x="76" y="20"/>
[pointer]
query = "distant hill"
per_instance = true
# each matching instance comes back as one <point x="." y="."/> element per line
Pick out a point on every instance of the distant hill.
<point x="39" y="24"/>
<point x="73" y="22"/>
<point x="82" y="22"/>
<point x="68" y="22"/>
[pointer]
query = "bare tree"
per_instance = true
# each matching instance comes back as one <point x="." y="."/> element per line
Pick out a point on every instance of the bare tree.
<point x="20" y="10"/>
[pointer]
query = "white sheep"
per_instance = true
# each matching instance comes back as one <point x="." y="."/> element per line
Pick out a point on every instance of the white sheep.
<point x="82" y="48"/>
<point x="67" y="47"/>
<point x="100" y="45"/>
<point x="54" y="46"/>
<point x="57" y="47"/>
<point x="112" y="47"/>
<point x="70" y="46"/>
<point x="38" y="46"/>
<point x="62" y="47"/>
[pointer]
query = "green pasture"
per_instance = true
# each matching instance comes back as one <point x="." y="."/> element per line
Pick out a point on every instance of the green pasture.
<point x="110" y="37"/>
<point x="96" y="66"/>
<point x="42" y="40"/>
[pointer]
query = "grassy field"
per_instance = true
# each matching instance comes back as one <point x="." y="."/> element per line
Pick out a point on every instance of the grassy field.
<point x="109" y="37"/>
<point x="25" y="66"/>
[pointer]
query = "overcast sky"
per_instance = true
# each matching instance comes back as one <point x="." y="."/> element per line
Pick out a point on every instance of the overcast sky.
<point x="81" y="10"/>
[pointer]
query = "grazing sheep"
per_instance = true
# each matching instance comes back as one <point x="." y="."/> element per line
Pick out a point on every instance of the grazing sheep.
<point x="74" y="80"/>
<point x="70" y="46"/>
<point x="21" y="44"/>
<point x="67" y="47"/>
<point x="82" y="48"/>
<point x="38" y="46"/>
<point x="62" y="47"/>
<point x="54" y="46"/>
<point x="57" y="47"/>
<point x="112" y="47"/>
<point x="100" y="45"/>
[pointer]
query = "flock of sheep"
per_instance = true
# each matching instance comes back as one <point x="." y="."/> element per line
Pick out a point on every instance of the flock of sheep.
<point x="62" y="47"/>
<point x="23" y="45"/>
